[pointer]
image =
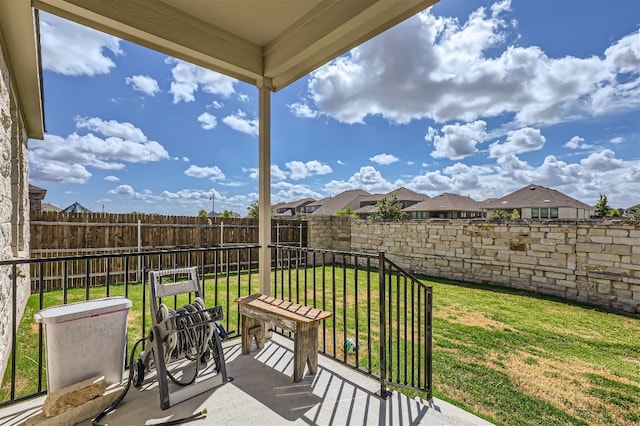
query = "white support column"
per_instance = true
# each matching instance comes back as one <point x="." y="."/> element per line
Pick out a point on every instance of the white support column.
<point x="265" y="88"/>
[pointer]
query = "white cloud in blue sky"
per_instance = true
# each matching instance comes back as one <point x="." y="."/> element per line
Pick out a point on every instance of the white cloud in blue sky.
<point x="144" y="84"/>
<point x="473" y="97"/>
<point x="384" y="159"/>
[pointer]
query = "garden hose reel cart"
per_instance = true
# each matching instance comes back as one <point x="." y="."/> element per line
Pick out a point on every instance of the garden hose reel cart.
<point x="182" y="341"/>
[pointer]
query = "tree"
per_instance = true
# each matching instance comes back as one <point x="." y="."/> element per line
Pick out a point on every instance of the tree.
<point x="514" y="214"/>
<point x="602" y="207"/>
<point x="348" y="211"/>
<point x="203" y="213"/>
<point x="499" y="215"/>
<point x="227" y="214"/>
<point x="634" y="214"/>
<point x="389" y="209"/>
<point x="254" y="210"/>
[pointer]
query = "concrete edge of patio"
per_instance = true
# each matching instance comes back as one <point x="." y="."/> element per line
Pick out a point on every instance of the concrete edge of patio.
<point x="262" y="392"/>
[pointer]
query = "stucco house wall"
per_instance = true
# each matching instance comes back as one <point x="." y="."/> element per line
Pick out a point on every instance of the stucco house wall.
<point x="14" y="209"/>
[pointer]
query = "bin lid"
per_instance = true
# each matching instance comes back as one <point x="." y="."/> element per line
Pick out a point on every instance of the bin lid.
<point x="85" y="309"/>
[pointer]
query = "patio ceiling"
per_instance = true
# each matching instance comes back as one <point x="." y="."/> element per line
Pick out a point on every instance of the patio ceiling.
<point x="281" y="40"/>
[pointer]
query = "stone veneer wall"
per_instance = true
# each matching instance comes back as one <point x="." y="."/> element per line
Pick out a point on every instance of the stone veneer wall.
<point x="14" y="210"/>
<point x="592" y="261"/>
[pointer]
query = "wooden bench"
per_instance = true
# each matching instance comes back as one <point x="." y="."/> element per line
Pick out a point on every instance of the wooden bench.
<point x="258" y="309"/>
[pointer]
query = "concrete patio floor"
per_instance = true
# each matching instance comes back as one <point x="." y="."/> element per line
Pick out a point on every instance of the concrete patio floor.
<point x="262" y="393"/>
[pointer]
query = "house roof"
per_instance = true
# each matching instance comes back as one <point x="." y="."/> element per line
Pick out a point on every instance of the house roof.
<point x="402" y="194"/>
<point x="280" y="40"/>
<point x="36" y="191"/>
<point x="294" y="204"/>
<point x="331" y="205"/>
<point x="76" y="208"/>
<point x="447" y="202"/>
<point x="367" y="210"/>
<point x="535" y="196"/>
<point x="46" y="207"/>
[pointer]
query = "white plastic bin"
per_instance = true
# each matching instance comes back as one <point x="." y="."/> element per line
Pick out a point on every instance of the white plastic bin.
<point x="84" y="340"/>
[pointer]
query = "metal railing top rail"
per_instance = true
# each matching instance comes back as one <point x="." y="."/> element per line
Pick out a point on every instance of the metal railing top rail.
<point x="127" y="254"/>
<point x="327" y="251"/>
<point x="389" y="317"/>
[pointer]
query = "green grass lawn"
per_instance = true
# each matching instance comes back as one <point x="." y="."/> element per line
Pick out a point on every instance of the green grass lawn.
<point x="512" y="358"/>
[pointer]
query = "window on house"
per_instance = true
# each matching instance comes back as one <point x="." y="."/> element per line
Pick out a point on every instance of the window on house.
<point x="554" y="212"/>
<point x="535" y="213"/>
<point x="544" y="213"/>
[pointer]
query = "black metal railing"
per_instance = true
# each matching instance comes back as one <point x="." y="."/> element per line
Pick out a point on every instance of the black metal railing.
<point x="381" y="322"/>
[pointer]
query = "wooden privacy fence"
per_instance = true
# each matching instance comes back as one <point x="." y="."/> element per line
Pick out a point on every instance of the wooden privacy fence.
<point x="55" y="234"/>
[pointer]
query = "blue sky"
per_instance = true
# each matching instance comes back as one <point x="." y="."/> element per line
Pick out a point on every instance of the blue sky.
<point x="472" y="97"/>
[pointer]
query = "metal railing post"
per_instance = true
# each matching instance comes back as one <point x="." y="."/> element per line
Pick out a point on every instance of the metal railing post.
<point x="384" y="393"/>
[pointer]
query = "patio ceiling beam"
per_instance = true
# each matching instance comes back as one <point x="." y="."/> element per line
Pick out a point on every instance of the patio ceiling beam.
<point x="332" y="28"/>
<point x="165" y="29"/>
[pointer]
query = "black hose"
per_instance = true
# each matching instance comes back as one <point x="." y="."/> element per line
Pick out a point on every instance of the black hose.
<point x="96" y="422"/>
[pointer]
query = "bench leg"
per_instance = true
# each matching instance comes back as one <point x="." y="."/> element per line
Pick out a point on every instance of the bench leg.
<point x="305" y="350"/>
<point x="252" y="329"/>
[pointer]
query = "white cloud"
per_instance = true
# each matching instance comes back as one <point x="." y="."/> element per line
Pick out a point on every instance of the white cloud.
<point x="289" y="192"/>
<point x="144" y="84"/>
<point x="617" y="140"/>
<point x="217" y="104"/>
<point x="73" y="50"/>
<point x="111" y="128"/>
<point x="577" y="142"/>
<point x="65" y="159"/>
<point x="442" y="69"/>
<point x="302" y="110"/>
<point x="112" y="178"/>
<point x="458" y="140"/>
<point x="189" y="78"/>
<point x="384" y="159"/>
<point x="242" y="97"/>
<point x="208" y="121"/>
<point x="602" y="161"/>
<point x="367" y="178"/>
<point x="301" y="170"/>
<point x="518" y="141"/>
<point x="214" y="173"/>
<point x="239" y="123"/>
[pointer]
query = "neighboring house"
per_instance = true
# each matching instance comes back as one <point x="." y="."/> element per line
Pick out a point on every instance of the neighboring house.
<point x="36" y="195"/>
<point x="76" y="208"/>
<point x="538" y="202"/>
<point x="46" y="207"/>
<point x="405" y="196"/>
<point x="330" y="205"/>
<point x="291" y="209"/>
<point x="446" y="206"/>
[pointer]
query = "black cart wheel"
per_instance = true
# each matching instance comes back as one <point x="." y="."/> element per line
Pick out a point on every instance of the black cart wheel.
<point x="138" y="373"/>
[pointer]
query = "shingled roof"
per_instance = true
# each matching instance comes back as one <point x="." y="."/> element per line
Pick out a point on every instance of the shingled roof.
<point x="330" y="205"/>
<point x="446" y="202"/>
<point x="535" y="196"/>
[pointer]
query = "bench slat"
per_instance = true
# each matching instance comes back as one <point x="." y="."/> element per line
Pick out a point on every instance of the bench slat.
<point x="291" y="311"/>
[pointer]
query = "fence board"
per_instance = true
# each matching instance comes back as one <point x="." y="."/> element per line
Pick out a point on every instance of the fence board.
<point x="55" y="234"/>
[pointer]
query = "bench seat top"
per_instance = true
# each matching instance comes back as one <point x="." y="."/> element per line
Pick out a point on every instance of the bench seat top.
<point x="292" y="311"/>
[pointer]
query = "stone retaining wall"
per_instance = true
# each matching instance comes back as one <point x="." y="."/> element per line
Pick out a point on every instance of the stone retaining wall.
<point x="592" y="261"/>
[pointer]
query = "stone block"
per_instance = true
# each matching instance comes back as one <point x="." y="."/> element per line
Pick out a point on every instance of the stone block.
<point x="73" y="396"/>
<point x="77" y="415"/>
<point x="596" y="239"/>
